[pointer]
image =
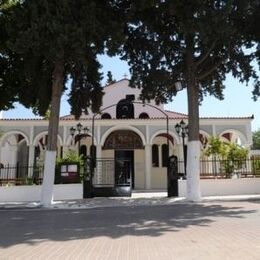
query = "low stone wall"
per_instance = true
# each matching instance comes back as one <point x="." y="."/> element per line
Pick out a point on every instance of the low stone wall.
<point x="216" y="187"/>
<point x="225" y="187"/>
<point x="33" y="193"/>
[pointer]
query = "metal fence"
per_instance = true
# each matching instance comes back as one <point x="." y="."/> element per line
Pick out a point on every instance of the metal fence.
<point x="20" y="175"/>
<point x="220" y="169"/>
<point x="104" y="172"/>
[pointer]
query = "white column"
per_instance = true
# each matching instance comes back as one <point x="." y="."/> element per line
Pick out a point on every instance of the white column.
<point x="48" y="180"/>
<point x="98" y="134"/>
<point x="98" y="171"/>
<point x="31" y="155"/>
<point x="214" y="130"/>
<point x="99" y="150"/>
<point x="31" y="151"/>
<point x="193" y="172"/>
<point x="148" y="166"/>
<point x="160" y="155"/>
<point x="65" y="148"/>
<point x="31" y="147"/>
<point x="31" y="159"/>
<point x="64" y="135"/>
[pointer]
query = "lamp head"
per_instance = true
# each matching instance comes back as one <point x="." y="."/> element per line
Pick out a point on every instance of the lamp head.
<point x="186" y="130"/>
<point x="178" y="128"/>
<point x="79" y="127"/>
<point x="183" y="124"/>
<point x="85" y="130"/>
<point x="72" y="131"/>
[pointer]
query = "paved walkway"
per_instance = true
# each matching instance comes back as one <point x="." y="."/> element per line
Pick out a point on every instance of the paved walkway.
<point x="120" y="229"/>
<point x="137" y="199"/>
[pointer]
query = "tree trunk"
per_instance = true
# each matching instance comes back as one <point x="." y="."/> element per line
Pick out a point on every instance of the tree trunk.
<point x="50" y="155"/>
<point x="193" y="153"/>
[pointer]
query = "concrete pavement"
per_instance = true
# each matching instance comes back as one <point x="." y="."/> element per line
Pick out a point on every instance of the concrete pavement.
<point x="177" y="230"/>
<point x="137" y="199"/>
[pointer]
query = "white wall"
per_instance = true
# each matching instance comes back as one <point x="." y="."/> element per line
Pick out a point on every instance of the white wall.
<point x="33" y="193"/>
<point x="224" y="187"/>
<point x="255" y="152"/>
<point x="118" y="91"/>
<point x="75" y="191"/>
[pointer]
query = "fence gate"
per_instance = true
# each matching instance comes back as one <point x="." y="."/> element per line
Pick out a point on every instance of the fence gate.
<point x="112" y="177"/>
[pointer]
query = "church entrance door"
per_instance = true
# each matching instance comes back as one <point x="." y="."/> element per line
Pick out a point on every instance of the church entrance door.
<point x="124" y="168"/>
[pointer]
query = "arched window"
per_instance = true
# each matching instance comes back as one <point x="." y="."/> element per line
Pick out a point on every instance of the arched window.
<point x="105" y="116"/>
<point x="83" y="150"/>
<point x="123" y="139"/>
<point x="155" y="155"/>
<point x="93" y="154"/>
<point x="144" y="116"/>
<point x="93" y="151"/>
<point x="165" y="155"/>
<point x="124" y="109"/>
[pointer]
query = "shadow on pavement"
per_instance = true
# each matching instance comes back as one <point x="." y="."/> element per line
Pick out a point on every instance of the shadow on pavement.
<point x="35" y="226"/>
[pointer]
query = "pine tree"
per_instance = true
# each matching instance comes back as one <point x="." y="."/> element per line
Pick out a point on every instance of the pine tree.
<point x="55" y="41"/>
<point x="195" y="42"/>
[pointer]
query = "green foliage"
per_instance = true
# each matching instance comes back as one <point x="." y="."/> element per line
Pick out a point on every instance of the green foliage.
<point x="27" y="181"/>
<point x="256" y="139"/>
<point x="256" y="165"/>
<point x="231" y="155"/>
<point x="214" y="34"/>
<point x="70" y="157"/>
<point x="8" y="94"/>
<point x="71" y="32"/>
<point x="217" y="148"/>
<point x="195" y="42"/>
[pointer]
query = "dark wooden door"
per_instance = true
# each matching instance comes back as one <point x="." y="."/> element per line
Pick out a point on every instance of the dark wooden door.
<point x="124" y="168"/>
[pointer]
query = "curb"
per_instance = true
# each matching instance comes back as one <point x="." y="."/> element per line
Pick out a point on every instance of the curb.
<point x="121" y="202"/>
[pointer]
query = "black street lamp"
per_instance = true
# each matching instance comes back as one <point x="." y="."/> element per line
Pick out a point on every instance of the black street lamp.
<point x="182" y="130"/>
<point x="80" y="131"/>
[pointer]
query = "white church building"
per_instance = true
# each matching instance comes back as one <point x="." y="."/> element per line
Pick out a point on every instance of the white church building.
<point x="139" y="133"/>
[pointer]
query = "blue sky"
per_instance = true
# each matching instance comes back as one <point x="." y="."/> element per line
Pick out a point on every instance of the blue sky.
<point x="238" y="100"/>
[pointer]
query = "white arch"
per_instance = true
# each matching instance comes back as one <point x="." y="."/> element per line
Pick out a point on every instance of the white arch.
<point x="38" y="136"/>
<point x="164" y="131"/>
<point x="238" y="133"/>
<point x="115" y="128"/>
<point x="69" y="139"/>
<point x="205" y="133"/>
<point x="14" y="132"/>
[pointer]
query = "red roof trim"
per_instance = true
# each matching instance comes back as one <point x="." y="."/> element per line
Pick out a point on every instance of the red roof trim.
<point x="151" y="118"/>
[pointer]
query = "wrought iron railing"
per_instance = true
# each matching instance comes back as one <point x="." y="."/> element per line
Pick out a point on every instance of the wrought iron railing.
<point x="249" y="168"/>
<point x="21" y="174"/>
<point x="104" y="172"/>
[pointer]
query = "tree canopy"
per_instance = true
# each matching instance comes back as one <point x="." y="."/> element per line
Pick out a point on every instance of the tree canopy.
<point x="55" y="41"/>
<point x="7" y="91"/>
<point x="71" y="31"/>
<point x="222" y="150"/>
<point x="195" y="42"/>
<point x="167" y="40"/>
<point x="256" y="140"/>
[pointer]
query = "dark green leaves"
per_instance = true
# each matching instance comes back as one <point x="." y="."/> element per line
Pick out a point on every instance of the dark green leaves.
<point x="38" y="33"/>
<point x="219" y="34"/>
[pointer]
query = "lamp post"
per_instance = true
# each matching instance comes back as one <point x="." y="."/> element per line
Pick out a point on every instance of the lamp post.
<point x="182" y="130"/>
<point x="79" y="131"/>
